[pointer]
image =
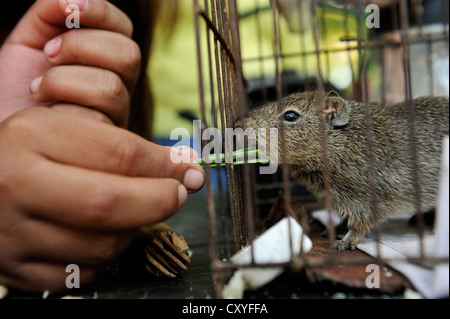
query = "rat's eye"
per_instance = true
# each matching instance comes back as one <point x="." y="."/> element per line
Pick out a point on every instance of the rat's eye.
<point x="291" y="116"/>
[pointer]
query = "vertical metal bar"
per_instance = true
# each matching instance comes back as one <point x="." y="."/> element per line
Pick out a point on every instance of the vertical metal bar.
<point x="347" y="36"/>
<point x="303" y="55"/>
<point x="234" y="195"/>
<point x="411" y="121"/>
<point x="213" y="251"/>
<point x="322" y="129"/>
<point x="215" y="122"/>
<point x="221" y="89"/>
<point x="210" y="64"/>
<point x="417" y="10"/>
<point x="241" y="104"/>
<point x="369" y="128"/>
<point x="265" y="99"/>
<point x="324" y="36"/>
<point x="279" y="54"/>
<point x="429" y="45"/>
<point x="393" y="75"/>
<point x="444" y="18"/>
<point x="235" y="37"/>
<point x="240" y="232"/>
<point x="282" y="132"/>
<point x="260" y="53"/>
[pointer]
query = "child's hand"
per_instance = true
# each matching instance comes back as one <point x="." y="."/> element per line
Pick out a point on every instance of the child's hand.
<point x="74" y="191"/>
<point x="95" y="66"/>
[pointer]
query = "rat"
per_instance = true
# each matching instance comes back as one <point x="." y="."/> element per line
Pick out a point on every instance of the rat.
<point x="345" y="124"/>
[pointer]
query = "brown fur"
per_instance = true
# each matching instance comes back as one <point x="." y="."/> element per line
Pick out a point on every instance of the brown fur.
<point x="348" y="153"/>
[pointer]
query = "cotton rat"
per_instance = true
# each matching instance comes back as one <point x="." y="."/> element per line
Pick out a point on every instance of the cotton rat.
<point x="348" y="153"/>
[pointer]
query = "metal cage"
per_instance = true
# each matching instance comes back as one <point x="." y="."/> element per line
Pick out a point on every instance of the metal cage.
<point x="253" y="52"/>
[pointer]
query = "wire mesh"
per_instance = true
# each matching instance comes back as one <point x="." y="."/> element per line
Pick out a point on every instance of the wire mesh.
<point x="253" y="52"/>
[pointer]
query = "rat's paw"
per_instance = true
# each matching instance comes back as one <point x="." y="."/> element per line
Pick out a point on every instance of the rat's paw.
<point x="351" y="239"/>
<point x="345" y="244"/>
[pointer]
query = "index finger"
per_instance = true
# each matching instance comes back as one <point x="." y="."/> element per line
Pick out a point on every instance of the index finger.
<point x="95" y="200"/>
<point x="48" y="18"/>
<point x="107" y="148"/>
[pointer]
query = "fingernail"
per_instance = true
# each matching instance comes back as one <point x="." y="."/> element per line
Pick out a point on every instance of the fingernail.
<point x="82" y="4"/>
<point x="182" y="195"/>
<point x="52" y="47"/>
<point x="36" y="85"/>
<point x="193" y="179"/>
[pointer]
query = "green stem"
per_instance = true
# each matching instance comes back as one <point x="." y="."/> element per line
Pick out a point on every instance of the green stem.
<point x="237" y="159"/>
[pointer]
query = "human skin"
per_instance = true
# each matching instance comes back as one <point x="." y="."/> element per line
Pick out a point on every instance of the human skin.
<point x="75" y="186"/>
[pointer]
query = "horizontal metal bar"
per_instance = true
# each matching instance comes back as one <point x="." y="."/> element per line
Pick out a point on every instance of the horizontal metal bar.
<point x="378" y="45"/>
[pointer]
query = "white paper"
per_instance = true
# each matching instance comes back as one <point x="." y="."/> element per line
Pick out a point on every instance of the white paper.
<point x="273" y="246"/>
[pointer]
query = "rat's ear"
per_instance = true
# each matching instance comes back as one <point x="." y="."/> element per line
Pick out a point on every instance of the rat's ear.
<point x="336" y="112"/>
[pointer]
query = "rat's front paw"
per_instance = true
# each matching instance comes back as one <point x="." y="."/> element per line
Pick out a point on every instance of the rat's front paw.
<point x="351" y="239"/>
<point x="345" y="244"/>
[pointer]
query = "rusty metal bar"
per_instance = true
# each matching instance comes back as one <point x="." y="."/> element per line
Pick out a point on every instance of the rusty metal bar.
<point x="260" y="54"/>
<point x="347" y="35"/>
<point x="445" y="21"/>
<point x="411" y="121"/>
<point x="220" y="190"/>
<point x="281" y="130"/>
<point x="211" y="212"/>
<point x="248" y="177"/>
<point x="219" y="19"/>
<point x="322" y="128"/>
<point x="372" y="44"/>
<point x="323" y="35"/>
<point x="303" y="53"/>
<point x="369" y="130"/>
<point x="236" y="77"/>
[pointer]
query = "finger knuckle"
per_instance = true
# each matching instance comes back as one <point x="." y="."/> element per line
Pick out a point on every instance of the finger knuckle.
<point x="50" y="76"/>
<point x="114" y="89"/>
<point x="108" y="14"/>
<point x="11" y="272"/>
<point x="50" y="82"/>
<point x="76" y="41"/>
<point x="126" y="153"/>
<point x="132" y="57"/>
<point x="104" y="252"/>
<point x="17" y="135"/>
<point x="128" y="27"/>
<point x="98" y="205"/>
<point x="22" y="123"/>
<point x="8" y="264"/>
<point x="101" y="117"/>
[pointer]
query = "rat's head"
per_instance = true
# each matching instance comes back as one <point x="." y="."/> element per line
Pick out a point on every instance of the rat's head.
<point x="299" y="116"/>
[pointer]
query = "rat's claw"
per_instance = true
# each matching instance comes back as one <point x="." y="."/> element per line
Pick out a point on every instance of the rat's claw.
<point x="344" y="245"/>
<point x="351" y="239"/>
